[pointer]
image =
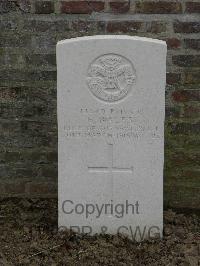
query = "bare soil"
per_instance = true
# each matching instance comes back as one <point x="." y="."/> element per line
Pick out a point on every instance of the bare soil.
<point x="28" y="236"/>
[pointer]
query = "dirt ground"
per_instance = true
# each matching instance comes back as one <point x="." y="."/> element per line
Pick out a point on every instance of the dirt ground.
<point x="28" y="236"/>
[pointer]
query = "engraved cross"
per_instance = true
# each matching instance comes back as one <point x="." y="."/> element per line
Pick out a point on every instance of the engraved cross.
<point x="110" y="168"/>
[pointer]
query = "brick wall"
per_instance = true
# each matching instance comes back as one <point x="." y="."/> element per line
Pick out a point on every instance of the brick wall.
<point x="29" y="31"/>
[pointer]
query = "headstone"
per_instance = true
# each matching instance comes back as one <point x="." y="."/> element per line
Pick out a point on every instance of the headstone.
<point x="111" y="105"/>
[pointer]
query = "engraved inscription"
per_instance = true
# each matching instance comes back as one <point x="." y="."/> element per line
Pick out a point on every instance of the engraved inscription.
<point x="116" y="123"/>
<point x="110" y="77"/>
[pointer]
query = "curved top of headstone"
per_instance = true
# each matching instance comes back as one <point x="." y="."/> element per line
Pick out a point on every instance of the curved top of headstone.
<point x="112" y="37"/>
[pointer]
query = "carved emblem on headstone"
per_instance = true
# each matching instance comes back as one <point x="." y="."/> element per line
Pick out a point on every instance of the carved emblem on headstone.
<point x="110" y="77"/>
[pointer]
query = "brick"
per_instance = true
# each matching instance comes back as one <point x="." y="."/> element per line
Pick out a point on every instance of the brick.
<point x="36" y="25"/>
<point x="9" y="127"/>
<point x="191" y="111"/>
<point x="37" y="127"/>
<point x="173" y="43"/>
<point x="192" y="7"/>
<point x="12" y="60"/>
<point x="179" y="195"/>
<point x="9" y="110"/>
<point x="9" y="24"/>
<point x="62" y="25"/>
<point x="13" y="93"/>
<point x="179" y="96"/>
<point x="16" y="137"/>
<point x="7" y="6"/>
<point x="184" y="158"/>
<point x="7" y="95"/>
<point x="2" y="189"/>
<point x="41" y="59"/>
<point x="187" y="27"/>
<point x="23" y="76"/>
<point x="186" y="95"/>
<point x="30" y="141"/>
<point x="39" y="112"/>
<point x="38" y="156"/>
<point x="156" y="27"/>
<point x="160" y="7"/>
<point x="123" y="26"/>
<point x="182" y="141"/>
<point x="43" y="42"/>
<point x="48" y="171"/>
<point x="119" y="7"/>
<point x="85" y="26"/>
<point x="186" y="60"/>
<point x="16" y="41"/>
<point x="173" y="78"/>
<point x="42" y="75"/>
<point x="186" y="177"/>
<point x="192" y="77"/>
<point x="185" y="128"/>
<point x="39" y="25"/>
<point x="52" y="156"/>
<point x="24" y="5"/>
<point x="44" y="7"/>
<point x="14" y="188"/>
<point x="41" y="188"/>
<point x="39" y="94"/>
<point x="2" y="158"/>
<point x="81" y="7"/>
<point x="32" y="110"/>
<point x="24" y="171"/>
<point x="3" y="171"/>
<point x="11" y="156"/>
<point x="192" y="173"/>
<point x="192" y="44"/>
<point x="172" y="112"/>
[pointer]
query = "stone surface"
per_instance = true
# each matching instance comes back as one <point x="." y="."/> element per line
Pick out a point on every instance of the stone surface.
<point x="111" y="128"/>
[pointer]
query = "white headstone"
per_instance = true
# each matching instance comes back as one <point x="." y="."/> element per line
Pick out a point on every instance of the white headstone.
<point x="111" y="105"/>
